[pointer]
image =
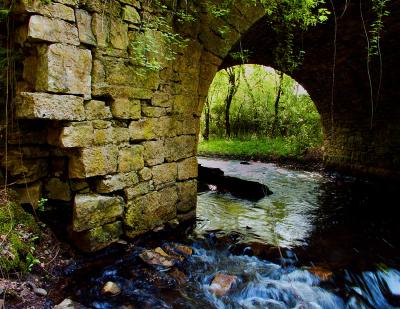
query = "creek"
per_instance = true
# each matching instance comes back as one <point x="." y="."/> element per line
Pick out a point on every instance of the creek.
<point x="319" y="241"/>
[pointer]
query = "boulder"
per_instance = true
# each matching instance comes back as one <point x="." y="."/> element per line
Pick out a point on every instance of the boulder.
<point x="238" y="187"/>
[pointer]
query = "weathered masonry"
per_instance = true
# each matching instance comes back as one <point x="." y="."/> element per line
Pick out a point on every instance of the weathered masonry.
<point x="91" y="128"/>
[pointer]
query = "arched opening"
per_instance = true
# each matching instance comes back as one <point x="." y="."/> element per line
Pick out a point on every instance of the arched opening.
<point x="265" y="111"/>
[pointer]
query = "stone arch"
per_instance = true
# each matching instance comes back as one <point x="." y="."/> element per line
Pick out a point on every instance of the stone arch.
<point x="356" y="140"/>
<point x="120" y="147"/>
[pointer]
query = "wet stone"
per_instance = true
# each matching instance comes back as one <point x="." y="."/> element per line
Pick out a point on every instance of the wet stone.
<point x="111" y="288"/>
<point x="222" y="284"/>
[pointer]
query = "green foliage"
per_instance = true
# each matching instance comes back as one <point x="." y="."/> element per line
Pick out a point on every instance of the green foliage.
<point x="18" y="233"/>
<point x="252" y="110"/>
<point x="260" y="148"/>
<point x="42" y="203"/>
<point x="157" y="42"/>
<point x="379" y="8"/>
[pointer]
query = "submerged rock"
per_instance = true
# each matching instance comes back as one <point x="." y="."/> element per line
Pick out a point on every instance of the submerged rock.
<point x="168" y="256"/>
<point x="222" y="284"/>
<point x="179" y="276"/>
<point x="157" y="257"/>
<point x="111" y="288"/>
<point x="238" y="187"/>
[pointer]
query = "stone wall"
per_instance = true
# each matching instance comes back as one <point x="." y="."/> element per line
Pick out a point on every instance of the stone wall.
<point x="92" y="129"/>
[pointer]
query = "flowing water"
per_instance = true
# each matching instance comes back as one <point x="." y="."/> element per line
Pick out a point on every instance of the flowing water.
<point x="320" y="241"/>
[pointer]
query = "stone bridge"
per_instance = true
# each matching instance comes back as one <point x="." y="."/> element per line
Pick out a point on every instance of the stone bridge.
<point x="92" y="129"/>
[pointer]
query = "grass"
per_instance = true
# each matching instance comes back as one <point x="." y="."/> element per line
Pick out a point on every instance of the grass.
<point x="267" y="149"/>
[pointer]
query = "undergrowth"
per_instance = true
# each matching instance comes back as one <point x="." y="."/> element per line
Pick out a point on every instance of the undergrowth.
<point x="276" y="148"/>
<point x="18" y="234"/>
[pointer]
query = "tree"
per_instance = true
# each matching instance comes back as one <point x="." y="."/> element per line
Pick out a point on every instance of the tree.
<point x="207" y="114"/>
<point x="276" y="105"/>
<point x="234" y="82"/>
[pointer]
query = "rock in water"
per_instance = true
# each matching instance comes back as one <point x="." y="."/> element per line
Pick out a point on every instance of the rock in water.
<point x="238" y="187"/>
<point x="157" y="257"/>
<point x="69" y="304"/>
<point x="222" y="284"/>
<point x="111" y="288"/>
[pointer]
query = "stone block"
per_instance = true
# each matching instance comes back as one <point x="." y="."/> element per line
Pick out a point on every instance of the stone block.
<point x="164" y="208"/>
<point x="102" y="89"/>
<point x="64" y="69"/>
<point x="130" y="14"/>
<point x="76" y="135"/>
<point x="94" y="210"/>
<point x="180" y="147"/>
<point x="103" y="136"/>
<point x="110" y="8"/>
<point x="95" y="161"/>
<point x="130" y="158"/>
<point x="54" y="30"/>
<point x="187" y="195"/>
<point x="84" y="22"/>
<point x="134" y="221"/>
<point x="101" y="124"/>
<point x="73" y="3"/>
<point x="154" y="152"/>
<point x="52" y="10"/>
<point x="49" y="106"/>
<point x="187" y="125"/>
<point x="58" y="190"/>
<point x="164" y="173"/>
<point x="120" y="135"/>
<point x="111" y="183"/>
<point x="149" y="211"/>
<point x="187" y="168"/>
<point x="124" y="108"/>
<point x="121" y="72"/>
<point x="145" y="174"/>
<point x="30" y="194"/>
<point x="153" y="111"/>
<point x="97" y="238"/>
<point x="101" y="29"/>
<point x="119" y="34"/>
<point x="151" y="128"/>
<point x="79" y="185"/>
<point x="161" y="99"/>
<point x="138" y="190"/>
<point x="97" y="110"/>
<point x="142" y="130"/>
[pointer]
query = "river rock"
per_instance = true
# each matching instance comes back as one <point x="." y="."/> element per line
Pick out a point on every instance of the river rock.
<point x="157" y="257"/>
<point x="111" y="288"/>
<point x="69" y="304"/>
<point x="222" y="284"/>
<point x="238" y="187"/>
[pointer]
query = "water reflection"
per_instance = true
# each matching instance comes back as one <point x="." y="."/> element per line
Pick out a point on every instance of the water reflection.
<point x="284" y="218"/>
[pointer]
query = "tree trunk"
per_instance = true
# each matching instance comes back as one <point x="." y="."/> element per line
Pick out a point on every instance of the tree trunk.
<point x="277" y="99"/>
<point x="233" y="87"/>
<point x="206" y="134"/>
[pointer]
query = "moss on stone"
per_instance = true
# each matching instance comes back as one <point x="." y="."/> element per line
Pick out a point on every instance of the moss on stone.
<point x="18" y="231"/>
